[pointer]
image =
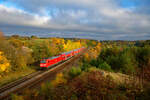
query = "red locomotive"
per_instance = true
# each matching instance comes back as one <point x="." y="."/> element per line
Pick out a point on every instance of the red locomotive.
<point x="49" y="62"/>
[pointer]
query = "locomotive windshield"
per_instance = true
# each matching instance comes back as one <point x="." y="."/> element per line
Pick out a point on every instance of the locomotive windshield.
<point x="43" y="61"/>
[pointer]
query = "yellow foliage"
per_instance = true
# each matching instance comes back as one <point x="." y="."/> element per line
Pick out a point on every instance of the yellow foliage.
<point x="86" y="57"/>
<point x="72" y="45"/>
<point x="4" y="63"/>
<point x="59" y="79"/>
<point x="93" y="52"/>
<point x="58" y="40"/>
<point x="94" y="43"/>
<point x="56" y="45"/>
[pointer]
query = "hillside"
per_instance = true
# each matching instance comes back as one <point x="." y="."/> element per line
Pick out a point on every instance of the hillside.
<point x="102" y="74"/>
<point x="107" y="70"/>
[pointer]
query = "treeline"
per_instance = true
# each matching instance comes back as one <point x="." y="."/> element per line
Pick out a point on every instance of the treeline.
<point x="119" y="43"/>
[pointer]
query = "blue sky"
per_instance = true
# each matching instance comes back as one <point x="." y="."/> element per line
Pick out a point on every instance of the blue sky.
<point x="92" y="19"/>
<point x="128" y="3"/>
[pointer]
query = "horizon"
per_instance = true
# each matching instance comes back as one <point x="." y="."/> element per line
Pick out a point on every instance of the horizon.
<point x="69" y="38"/>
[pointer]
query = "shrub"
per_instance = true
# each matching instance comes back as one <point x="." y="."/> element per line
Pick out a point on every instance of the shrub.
<point x="16" y="97"/>
<point x="126" y="64"/>
<point x="91" y="69"/>
<point x="45" y="89"/>
<point x="75" y="71"/>
<point x="114" y="62"/>
<point x="85" y="66"/>
<point x="143" y="56"/>
<point x="94" y="62"/>
<point x="105" y="66"/>
<point x="59" y="79"/>
<point x="144" y="95"/>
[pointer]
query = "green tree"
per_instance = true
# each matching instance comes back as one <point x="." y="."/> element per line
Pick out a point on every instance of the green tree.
<point x="105" y="66"/>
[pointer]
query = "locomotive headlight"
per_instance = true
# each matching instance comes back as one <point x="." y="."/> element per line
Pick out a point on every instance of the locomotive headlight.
<point x="42" y="64"/>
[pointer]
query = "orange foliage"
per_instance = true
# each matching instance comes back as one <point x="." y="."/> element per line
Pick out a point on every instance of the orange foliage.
<point x="58" y="40"/>
<point x="93" y="52"/>
<point x="59" y="80"/>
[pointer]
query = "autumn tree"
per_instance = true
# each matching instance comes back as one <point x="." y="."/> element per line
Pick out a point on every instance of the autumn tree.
<point x="34" y="37"/>
<point x="16" y="43"/>
<point x="58" y="44"/>
<point x="4" y="63"/>
<point x="93" y="52"/>
<point x="70" y="45"/>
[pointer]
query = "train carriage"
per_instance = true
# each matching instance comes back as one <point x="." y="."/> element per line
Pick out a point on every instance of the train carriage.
<point x="49" y="62"/>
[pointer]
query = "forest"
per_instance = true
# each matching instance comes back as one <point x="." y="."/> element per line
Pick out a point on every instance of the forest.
<point x="21" y="55"/>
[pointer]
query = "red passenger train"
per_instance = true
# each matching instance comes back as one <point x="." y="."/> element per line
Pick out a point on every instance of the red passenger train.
<point x="49" y="62"/>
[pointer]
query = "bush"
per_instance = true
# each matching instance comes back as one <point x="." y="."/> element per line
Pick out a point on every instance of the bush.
<point x="91" y="69"/>
<point x="85" y="66"/>
<point x="75" y="72"/>
<point x="126" y="64"/>
<point x="143" y="56"/>
<point x="105" y="66"/>
<point x="45" y="89"/>
<point x="59" y="80"/>
<point x="144" y="95"/>
<point x="16" y="97"/>
<point x="94" y="62"/>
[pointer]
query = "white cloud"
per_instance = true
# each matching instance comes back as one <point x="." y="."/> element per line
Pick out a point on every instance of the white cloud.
<point x="86" y="16"/>
<point x="15" y="16"/>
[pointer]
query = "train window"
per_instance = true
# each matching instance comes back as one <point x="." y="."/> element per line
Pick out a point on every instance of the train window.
<point x="43" y="61"/>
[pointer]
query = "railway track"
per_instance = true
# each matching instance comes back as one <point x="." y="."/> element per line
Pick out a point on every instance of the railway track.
<point x="29" y="80"/>
<point x="15" y="83"/>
